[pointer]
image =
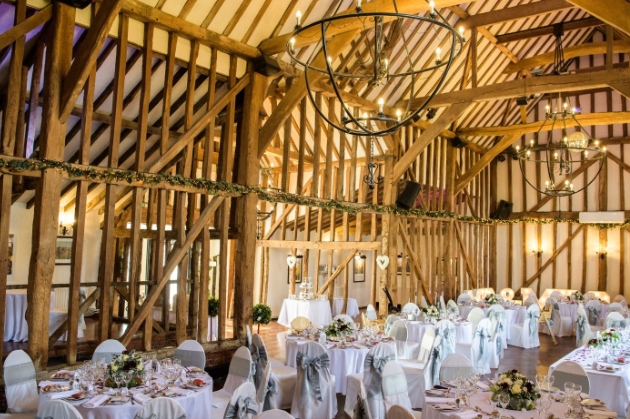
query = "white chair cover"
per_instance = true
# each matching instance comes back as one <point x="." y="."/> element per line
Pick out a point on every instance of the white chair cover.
<point x="569" y="371"/>
<point x="442" y="303"/>
<point x="589" y="296"/>
<point x="481" y="348"/>
<point x="619" y="298"/>
<point x="20" y="384"/>
<point x="530" y="301"/>
<point x="389" y="322"/>
<point x="582" y="328"/>
<point x="267" y="390"/>
<point x="399" y="412"/>
<point x="371" y="380"/>
<point x="464" y="297"/>
<point x="455" y="366"/>
<point x="418" y="372"/>
<point x="315" y="389"/>
<point x="556" y="295"/>
<point x="57" y="409"/>
<point x="109" y="350"/>
<point x="243" y="403"/>
<point x="496" y="314"/>
<point x="395" y="386"/>
<point x="451" y="307"/>
<point x="624" y="304"/>
<point x="274" y="414"/>
<point x="411" y="310"/>
<point x="241" y="370"/>
<point x="361" y="409"/>
<point x="526" y="335"/>
<point x="404" y="349"/>
<point x="344" y="317"/>
<point x="423" y="302"/>
<point x="615" y="320"/>
<point x="507" y="294"/>
<point x="614" y="307"/>
<point x="191" y="353"/>
<point x="475" y="315"/>
<point x="370" y="313"/>
<point x="561" y="325"/>
<point x="593" y="311"/>
<point x="161" y="408"/>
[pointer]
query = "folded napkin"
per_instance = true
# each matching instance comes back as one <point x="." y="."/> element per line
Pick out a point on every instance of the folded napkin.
<point x="61" y="394"/>
<point x="483" y="386"/>
<point x="466" y="414"/>
<point x="592" y="402"/>
<point x="141" y="398"/>
<point x="439" y="400"/>
<point x="96" y="401"/>
<point x="436" y="393"/>
<point x="600" y="414"/>
<point x="52" y="383"/>
<point x="181" y="391"/>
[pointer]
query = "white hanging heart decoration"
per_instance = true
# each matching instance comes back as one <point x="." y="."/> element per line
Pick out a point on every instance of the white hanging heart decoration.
<point x="382" y="261"/>
<point x="291" y="260"/>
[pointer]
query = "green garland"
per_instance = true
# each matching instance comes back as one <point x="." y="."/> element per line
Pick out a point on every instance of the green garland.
<point x="17" y="165"/>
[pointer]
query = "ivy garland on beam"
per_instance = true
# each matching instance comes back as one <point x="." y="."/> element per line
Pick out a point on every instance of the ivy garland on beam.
<point x="101" y="175"/>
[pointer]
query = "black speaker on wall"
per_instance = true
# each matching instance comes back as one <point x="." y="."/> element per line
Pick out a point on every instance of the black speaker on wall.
<point x="79" y="4"/>
<point x="407" y="198"/>
<point x="503" y="211"/>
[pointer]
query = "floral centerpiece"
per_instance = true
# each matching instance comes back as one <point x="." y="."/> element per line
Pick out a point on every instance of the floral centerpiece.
<point x="339" y="328"/>
<point x="577" y="296"/>
<point x="492" y="299"/>
<point x="129" y="362"/>
<point x="610" y="335"/>
<point x="431" y="311"/>
<point x="521" y="390"/>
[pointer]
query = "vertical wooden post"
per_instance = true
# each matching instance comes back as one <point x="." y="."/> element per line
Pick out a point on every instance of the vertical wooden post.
<point x="388" y="236"/>
<point x="247" y="175"/>
<point x="47" y="193"/>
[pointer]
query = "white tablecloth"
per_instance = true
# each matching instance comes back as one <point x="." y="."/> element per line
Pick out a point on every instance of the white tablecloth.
<point x="352" y="310"/>
<point x="416" y="329"/>
<point x="15" y="326"/>
<point x="610" y="387"/>
<point x="213" y="322"/>
<point x="480" y="400"/>
<point x="317" y="311"/>
<point x="196" y="405"/>
<point x="512" y="315"/>
<point x="343" y="362"/>
<point x="570" y="310"/>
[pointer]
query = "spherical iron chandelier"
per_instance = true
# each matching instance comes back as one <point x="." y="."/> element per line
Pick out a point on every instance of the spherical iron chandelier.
<point x="562" y="158"/>
<point x="378" y="29"/>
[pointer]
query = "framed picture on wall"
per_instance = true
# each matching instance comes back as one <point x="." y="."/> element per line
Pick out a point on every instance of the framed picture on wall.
<point x="358" y="269"/>
<point x="11" y="255"/>
<point x="63" y="250"/>
<point x="298" y="270"/>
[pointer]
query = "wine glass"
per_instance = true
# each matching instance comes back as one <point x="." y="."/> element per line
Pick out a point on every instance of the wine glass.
<point x="540" y="380"/>
<point x="546" y="405"/>
<point x="550" y="380"/>
<point x="118" y="379"/>
<point x="504" y="400"/>
<point x="126" y="376"/>
<point x="539" y="406"/>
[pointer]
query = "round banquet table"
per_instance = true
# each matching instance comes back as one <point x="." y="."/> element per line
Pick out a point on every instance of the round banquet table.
<point x="416" y="329"/>
<point x="317" y="311"/>
<point x="512" y="315"/>
<point x="570" y="310"/>
<point x="352" y="310"/>
<point x="15" y="326"/>
<point x="480" y="400"/>
<point x="196" y="405"/>
<point x="343" y="362"/>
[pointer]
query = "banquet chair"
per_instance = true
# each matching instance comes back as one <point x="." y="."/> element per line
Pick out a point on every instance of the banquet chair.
<point x="191" y="354"/>
<point x="314" y="396"/>
<point x="285" y="375"/>
<point x="267" y="391"/>
<point x="526" y="335"/>
<point x="569" y="371"/>
<point x="589" y="296"/>
<point x="395" y="386"/>
<point x="370" y="313"/>
<point x="411" y="309"/>
<point x="582" y="328"/>
<point x="507" y="294"/>
<point x="615" y="320"/>
<point x="20" y="384"/>
<point x="455" y="366"/>
<point x="463" y="298"/>
<point x="481" y="348"/>
<point x="361" y="409"/>
<point x="445" y="329"/>
<point x="344" y="317"/>
<point x="300" y="323"/>
<point x="57" y="409"/>
<point x="624" y="304"/>
<point x="419" y="372"/>
<point x="562" y="325"/>
<point x="475" y="315"/>
<point x="442" y="305"/>
<point x="451" y="307"/>
<point x="400" y="412"/>
<point x="161" y="408"/>
<point x="423" y="302"/>
<point x="274" y="414"/>
<point x="530" y="301"/>
<point x="240" y="372"/>
<point x="243" y="403"/>
<point x="593" y="311"/>
<point x="370" y="379"/>
<point x="619" y="299"/>
<point x="614" y="307"/>
<point x="556" y="295"/>
<point x="404" y="348"/>
<point x="498" y="317"/>
<point x="389" y="322"/>
<point x="108" y="350"/>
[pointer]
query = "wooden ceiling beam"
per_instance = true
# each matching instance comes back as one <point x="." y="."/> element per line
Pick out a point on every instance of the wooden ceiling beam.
<point x="24" y="27"/>
<point x="515" y="13"/>
<point x="614" y="12"/>
<point x="588" y="22"/>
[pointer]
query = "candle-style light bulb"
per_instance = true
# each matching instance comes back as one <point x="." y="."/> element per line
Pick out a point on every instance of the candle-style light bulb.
<point x="547" y="108"/>
<point x="596" y="143"/>
<point x="547" y="184"/>
<point x="585" y="153"/>
<point x="438" y="53"/>
<point x="571" y="186"/>
<point x="399" y="114"/>
<point x="298" y="18"/>
<point x="566" y="140"/>
<point x="528" y="153"/>
<point x="461" y="31"/>
<point x="432" y="6"/>
<point x="292" y="43"/>
<point x="531" y="143"/>
<point x="565" y="106"/>
<point x="358" y="4"/>
<point x="604" y="148"/>
<point x="386" y="63"/>
<point x="517" y="148"/>
<point x="381" y="103"/>
<point x="329" y="59"/>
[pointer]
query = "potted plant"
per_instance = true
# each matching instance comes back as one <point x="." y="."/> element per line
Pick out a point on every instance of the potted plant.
<point x="262" y="315"/>
<point x="213" y="312"/>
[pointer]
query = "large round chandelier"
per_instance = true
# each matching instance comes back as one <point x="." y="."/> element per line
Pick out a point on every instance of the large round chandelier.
<point x="562" y="158"/>
<point x="388" y="36"/>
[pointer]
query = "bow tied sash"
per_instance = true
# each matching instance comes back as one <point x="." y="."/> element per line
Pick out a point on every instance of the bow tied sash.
<point x="593" y="314"/>
<point x="436" y="362"/>
<point x="484" y="352"/>
<point x="376" y="364"/>
<point x="269" y="399"/>
<point x="580" y="329"/>
<point x="242" y="409"/>
<point x="533" y="317"/>
<point x="448" y="344"/>
<point x="311" y="386"/>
